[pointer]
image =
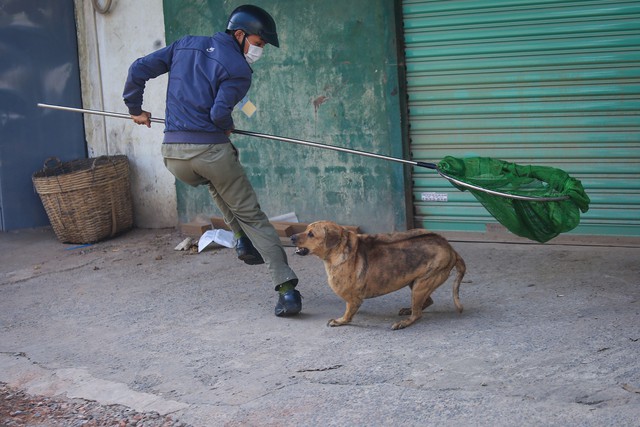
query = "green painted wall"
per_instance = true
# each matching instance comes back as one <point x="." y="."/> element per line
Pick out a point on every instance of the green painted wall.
<point x="334" y="80"/>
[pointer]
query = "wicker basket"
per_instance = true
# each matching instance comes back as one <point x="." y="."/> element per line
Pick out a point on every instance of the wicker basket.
<point x="86" y="200"/>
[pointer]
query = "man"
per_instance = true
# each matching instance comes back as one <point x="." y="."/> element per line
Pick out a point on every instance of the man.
<point x="208" y="76"/>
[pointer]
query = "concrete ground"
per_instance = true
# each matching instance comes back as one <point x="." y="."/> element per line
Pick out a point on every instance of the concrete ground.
<point x="550" y="335"/>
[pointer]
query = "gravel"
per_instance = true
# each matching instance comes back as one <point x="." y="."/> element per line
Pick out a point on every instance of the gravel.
<point x="18" y="409"/>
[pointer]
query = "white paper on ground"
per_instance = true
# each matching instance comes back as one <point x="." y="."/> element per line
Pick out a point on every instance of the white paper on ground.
<point x="221" y="237"/>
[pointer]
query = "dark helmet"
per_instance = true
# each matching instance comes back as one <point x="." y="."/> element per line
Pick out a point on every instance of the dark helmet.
<point x="254" y="20"/>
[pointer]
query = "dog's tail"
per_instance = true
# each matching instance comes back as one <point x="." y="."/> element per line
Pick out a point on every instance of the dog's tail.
<point x="461" y="268"/>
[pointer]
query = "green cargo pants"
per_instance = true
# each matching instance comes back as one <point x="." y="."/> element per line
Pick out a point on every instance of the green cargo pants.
<point x="217" y="166"/>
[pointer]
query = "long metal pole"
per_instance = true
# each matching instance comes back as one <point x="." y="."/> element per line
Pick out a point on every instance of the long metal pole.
<point x="254" y="134"/>
<point x="329" y="147"/>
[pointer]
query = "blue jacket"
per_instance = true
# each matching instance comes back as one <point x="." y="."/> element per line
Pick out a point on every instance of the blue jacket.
<point x="208" y="76"/>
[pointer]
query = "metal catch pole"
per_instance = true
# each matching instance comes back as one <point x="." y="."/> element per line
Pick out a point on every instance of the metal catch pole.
<point x="254" y="134"/>
<point x="330" y="147"/>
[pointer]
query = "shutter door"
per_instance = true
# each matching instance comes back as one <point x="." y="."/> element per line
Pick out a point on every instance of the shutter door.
<point x="553" y="83"/>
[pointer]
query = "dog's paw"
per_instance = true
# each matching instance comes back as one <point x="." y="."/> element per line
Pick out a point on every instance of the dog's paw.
<point x="334" y="322"/>
<point x="398" y="325"/>
<point x="404" y="323"/>
<point x="405" y="311"/>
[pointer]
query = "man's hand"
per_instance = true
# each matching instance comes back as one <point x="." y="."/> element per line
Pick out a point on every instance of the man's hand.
<point x="143" y="119"/>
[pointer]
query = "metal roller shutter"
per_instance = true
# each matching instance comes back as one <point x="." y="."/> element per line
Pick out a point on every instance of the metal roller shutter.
<point x="553" y="83"/>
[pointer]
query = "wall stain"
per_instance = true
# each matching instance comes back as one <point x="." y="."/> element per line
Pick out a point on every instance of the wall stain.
<point x="318" y="102"/>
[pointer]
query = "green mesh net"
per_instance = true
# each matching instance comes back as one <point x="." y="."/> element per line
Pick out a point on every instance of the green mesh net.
<point x="536" y="220"/>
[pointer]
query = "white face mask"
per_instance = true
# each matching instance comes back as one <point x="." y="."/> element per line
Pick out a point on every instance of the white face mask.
<point x="253" y="53"/>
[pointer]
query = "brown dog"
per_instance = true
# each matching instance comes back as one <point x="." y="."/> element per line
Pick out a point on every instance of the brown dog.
<point x="361" y="266"/>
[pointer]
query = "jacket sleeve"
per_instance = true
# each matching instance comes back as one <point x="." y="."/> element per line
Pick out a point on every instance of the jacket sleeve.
<point x="143" y="69"/>
<point x="230" y="92"/>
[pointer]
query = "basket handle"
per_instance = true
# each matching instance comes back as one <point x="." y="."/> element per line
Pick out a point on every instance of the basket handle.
<point x="93" y="165"/>
<point x="104" y="157"/>
<point x="49" y="160"/>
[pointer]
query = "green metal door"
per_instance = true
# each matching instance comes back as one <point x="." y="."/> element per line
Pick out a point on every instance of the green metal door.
<point x="545" y="82"/>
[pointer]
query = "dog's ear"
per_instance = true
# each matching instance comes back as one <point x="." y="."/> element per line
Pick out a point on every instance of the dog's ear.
<point x="332" y="237"/>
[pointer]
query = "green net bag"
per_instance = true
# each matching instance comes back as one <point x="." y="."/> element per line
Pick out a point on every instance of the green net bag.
<point x="536" y="220"/>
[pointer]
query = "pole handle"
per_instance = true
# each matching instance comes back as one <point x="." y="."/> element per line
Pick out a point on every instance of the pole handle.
<point x="98" y="112"/>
